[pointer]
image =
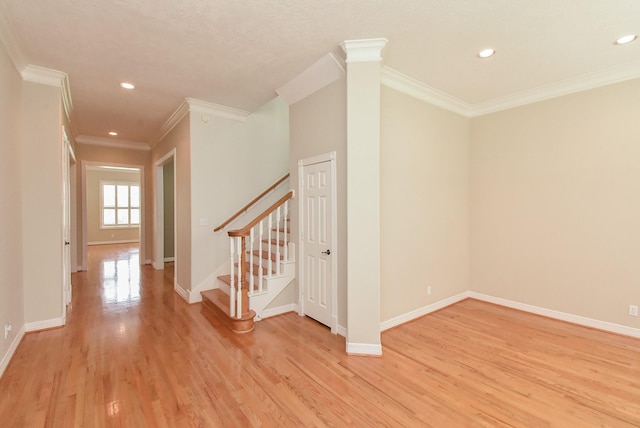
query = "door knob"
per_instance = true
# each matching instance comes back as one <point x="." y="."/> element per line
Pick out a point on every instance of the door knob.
<point x="328" y="252"/>
<point x="66" y="242"/>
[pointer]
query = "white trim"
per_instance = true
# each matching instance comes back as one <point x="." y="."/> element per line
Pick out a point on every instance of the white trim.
<point x="414" y="88"/>
<point x="417" y="313"/>
<point x="563" y="316"/>
<point x="11" y="351"/>
<point x="409" y="86"/>
<point x="322" y="73"/>
<point x="126" y="241"/>
<point x="181" y="291"/>
<point x="44" y="324"/>
<point x="580" y="83"/>
<point x="363" y="50"/>
<point x="47" y="76"/>
<point x="217" y="110"/>
<point x="341" y="330"/>
<point x="109" y="142"/>
<point x="169" y="259"/>
<point x="272" y="312"/>
<point x="173" y="120"/>
<point x="364" y="349"/>
<point x="331" y="158"/>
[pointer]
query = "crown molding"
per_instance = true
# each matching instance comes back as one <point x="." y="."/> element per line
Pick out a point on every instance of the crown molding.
<point x="363" y="50"/>
<point x="193" y="105"/>
<point x="8" y="39"/>
<point x="217" y="110"/>
<point x="173" y="120"/>
<point x="108" y="142"/>
<point x="322" y="73"/>
<point x="46" y="76"/>
<point x="581" y="83"/>
<point x="407" y="85"/>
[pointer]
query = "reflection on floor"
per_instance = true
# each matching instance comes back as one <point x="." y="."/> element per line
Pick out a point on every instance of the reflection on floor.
<point x="121" y="277"/>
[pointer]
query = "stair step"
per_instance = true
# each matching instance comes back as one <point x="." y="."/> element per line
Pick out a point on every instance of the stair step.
<point x="273" y="242"/>
<point x="217" y="301"/>
<point x="227" y="280"/>
<point x="265" y="255"/>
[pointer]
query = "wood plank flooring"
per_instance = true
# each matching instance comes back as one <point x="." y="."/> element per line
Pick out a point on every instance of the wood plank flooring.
<point x="134" y="354"/>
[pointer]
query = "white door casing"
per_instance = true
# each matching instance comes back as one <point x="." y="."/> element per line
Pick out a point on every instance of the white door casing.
<point x="317" y="215"/>
<point x="66" y="224"/>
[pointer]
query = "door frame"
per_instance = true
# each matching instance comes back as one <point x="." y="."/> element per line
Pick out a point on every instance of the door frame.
<point x="85" y="190"/>
<point x="302" y="163"/>
<point x="68" y="157"/>
<point x="158" y="257"/>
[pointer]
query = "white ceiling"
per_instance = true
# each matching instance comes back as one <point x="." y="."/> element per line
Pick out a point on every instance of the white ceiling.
<point x="237" y="52"/>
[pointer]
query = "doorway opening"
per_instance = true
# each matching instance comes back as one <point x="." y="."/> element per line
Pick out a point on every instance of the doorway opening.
<point x="113" y="209"/>
<point x="165" y="212"/>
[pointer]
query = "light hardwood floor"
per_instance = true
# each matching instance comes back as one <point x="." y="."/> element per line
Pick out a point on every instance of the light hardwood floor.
<point x="134" y="354"/>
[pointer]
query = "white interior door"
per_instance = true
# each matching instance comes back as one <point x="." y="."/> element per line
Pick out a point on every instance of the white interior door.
<point x="66" y="224"/>
<point x="317" y="235"/>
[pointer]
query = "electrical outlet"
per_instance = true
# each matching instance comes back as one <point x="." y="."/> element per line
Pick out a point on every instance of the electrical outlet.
<point x="7" y="329"/>
<point x="633" y="310"/>
<point x="429" y="291"/>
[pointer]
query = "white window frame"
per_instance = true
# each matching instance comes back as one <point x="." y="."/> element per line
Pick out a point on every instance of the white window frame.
<point x="129" y="207"/>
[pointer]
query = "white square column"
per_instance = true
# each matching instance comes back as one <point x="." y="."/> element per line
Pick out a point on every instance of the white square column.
<point x="363" y="195"/>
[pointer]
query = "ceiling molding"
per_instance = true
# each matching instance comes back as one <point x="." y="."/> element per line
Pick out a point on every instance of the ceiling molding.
<point x="565" y="87"/>
<point x="46" y="76"/>
<point x="8" y="39"/>
<point x="364" y="50"/>
<point x="407" y="85"/>
<point x="173" y="120"/>
<point x="108" y="142"/>
<point x="217" y="110"/>
<point x="322" y="73"/>
<point x="197" y="106"/>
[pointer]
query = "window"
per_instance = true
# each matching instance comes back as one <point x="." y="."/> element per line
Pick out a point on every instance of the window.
<point x="120" y="204"/>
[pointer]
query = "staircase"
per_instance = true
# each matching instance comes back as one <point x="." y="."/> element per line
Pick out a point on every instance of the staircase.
<point x="262" y="264"/>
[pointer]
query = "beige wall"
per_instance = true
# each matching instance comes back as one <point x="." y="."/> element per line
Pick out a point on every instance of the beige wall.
<point x="424" y="190"/>
<point x="41" y="202"/>
<point x="231" y="163"/>
<point x="555" y="200"/>
<point x="318" y="125"/>
<point x="179" y="139"/>
<point x="87" y="154"/>
<point x="96" y="234"/>
<point x="11" y="288"/>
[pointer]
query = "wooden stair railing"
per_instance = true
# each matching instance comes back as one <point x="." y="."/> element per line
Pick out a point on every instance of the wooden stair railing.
<point x="246" y="276"/>
<point x="253" y="202"/>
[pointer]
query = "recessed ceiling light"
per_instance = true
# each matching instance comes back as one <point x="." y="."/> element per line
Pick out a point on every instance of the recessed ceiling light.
<point x="486" y="53"/>
<point x="127" y="85"/>
<point x="626" y="39"/>
<point x="113" y="133"/>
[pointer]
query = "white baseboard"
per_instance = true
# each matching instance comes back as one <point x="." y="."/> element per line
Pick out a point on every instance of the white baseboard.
<point x="169" y="259"/>
<point x="417" y="313"/>
<point x="43" y="325"/>
<point x="181" y="292"/>
<point x="148" y="262"/>
<point x="12" y="350"/>
<point x="341" y="330"/>
<point x="127" y="241"/>
<point x="364" y="349"/>
<point x="272" y="312"/>
<point x="563" y="316"/>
